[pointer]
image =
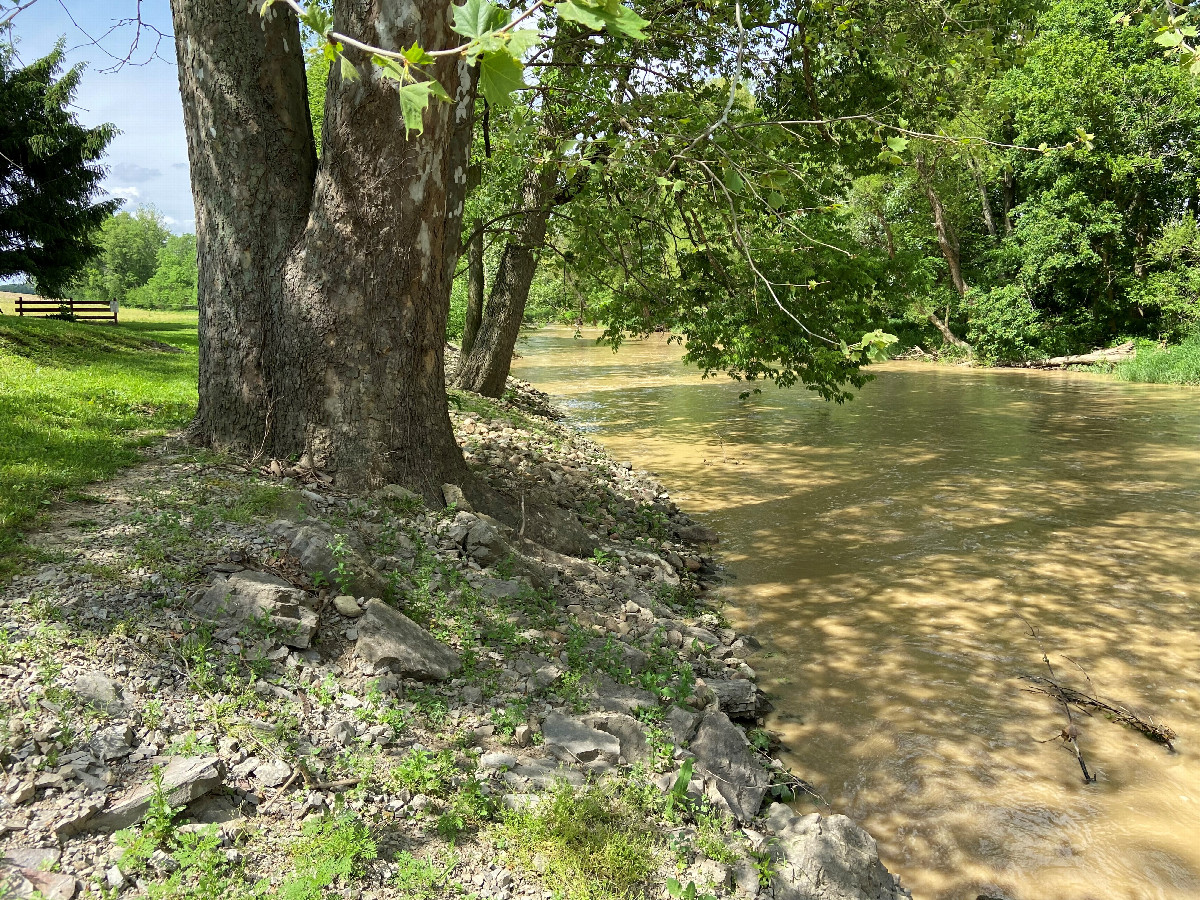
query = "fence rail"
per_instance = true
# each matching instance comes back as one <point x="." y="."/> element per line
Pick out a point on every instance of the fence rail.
<point x="77" y="310"/>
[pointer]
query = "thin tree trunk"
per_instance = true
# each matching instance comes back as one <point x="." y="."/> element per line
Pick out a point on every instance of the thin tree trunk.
<point x="1009" y="195"/>
<point x="988" y="221"/>
<point x="945" y="235"/>
<point x="947" y="333"/>
<point x="486" y="368"/>
<point x="475" y="289"/>
<point x="324" y="300"/>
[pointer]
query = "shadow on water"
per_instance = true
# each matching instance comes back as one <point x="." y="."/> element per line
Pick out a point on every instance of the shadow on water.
<point x="885" y="548"/>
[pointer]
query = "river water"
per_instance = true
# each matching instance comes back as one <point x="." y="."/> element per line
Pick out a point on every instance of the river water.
<point x="886" y="550"/>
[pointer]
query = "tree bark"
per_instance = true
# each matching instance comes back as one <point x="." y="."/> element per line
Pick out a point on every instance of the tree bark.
<point x="945" y="234"/>
<point x="486" y="368"/>
<point x="324" y="299"/>
<point x="988" y="221"/>
<point x="253" y="162"/>
<point x="475" y="290"/>
<point x="1009" y="195"/>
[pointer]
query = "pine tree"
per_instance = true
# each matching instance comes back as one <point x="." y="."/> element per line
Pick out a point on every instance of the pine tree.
<point x="49" y="174"/>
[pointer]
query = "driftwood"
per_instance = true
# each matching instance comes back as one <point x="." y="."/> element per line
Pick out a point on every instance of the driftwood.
<point x="1070" y="734"/>
<point x="1160" y="734"/>
<point x="1068" y="697"/>
<point x="1111" y="355"/>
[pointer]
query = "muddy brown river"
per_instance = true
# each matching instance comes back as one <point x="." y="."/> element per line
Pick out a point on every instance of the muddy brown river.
<point x="886" y="551"/>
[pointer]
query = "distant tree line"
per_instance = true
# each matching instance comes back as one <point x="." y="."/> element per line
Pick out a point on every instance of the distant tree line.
<point x="140" y="263"/>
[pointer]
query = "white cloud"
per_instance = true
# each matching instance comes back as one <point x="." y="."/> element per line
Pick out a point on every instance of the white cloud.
<point x="128" y="193"/>
<point x="126" y="171"/>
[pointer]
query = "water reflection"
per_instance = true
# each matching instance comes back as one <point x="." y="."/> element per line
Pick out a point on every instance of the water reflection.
<point x="886" y="547"/>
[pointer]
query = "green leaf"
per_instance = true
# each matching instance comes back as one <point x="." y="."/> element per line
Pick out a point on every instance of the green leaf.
<point x="349" y="72"/>
<point x="576" y="12"/>
<point x="414" y="100"/>
<point x="1171" y="38"/>
<point x="417" y="56"/>
<point x="520" y="42"/>
<point x="612" y="15"/>
<point x="897" y="143"/>
<point x="318" y="20"/>
<point x="500" y="73"/>
<point x="476" y="18"/>
<point x="389" y="68"/>
<point x="775" y="200"/>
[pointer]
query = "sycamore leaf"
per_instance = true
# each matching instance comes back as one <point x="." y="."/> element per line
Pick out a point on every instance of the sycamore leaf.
<point x="318" y="20"/>
<point x="389" y="68"/>
<point x="417" y="55"/>
<point x="897" y="143"/>
<point x="475" y="18"/>
<point x="349" y="72"/>
<point x="499" y="75"/>
<point x="414" y="100"/>
<point x="775" y="200"/>
<point x="1171" y="38"/>
<point x="576" y="12"/>
<point x="520" y="42"/>
<point x="608" y="14"/>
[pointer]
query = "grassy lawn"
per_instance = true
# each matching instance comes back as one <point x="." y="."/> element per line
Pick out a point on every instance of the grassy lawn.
<point x="76" y="400"/>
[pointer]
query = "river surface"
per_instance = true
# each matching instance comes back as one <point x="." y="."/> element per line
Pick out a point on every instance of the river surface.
<point x="886" y="550"/>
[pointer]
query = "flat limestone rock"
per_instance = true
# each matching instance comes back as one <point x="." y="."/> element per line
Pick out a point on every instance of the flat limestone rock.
<point x="262" y="597"/>
<point x="733" y="776"/>
<point x="576" y="742"/>
<point x="738" y="698"/>
<point x="387" y="637"/>
<point x="184" y="779"/>
<point x="26" y="883"/>
<point x="635" y="748"/>
<point x="100" y="691"/>
<point x="826" y="858"/>
<point x="313" y="542"/>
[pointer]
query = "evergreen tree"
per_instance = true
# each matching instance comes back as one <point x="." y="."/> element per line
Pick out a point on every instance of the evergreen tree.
<point x="49" y="174"/>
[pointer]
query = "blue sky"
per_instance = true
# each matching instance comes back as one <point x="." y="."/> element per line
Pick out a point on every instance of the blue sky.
<point x="147" y="161"/>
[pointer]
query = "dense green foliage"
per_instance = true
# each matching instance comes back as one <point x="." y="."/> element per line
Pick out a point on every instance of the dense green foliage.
<point x="1019" y="176"/>
<point x="1080" y="234"/>
<point x="141" y="264"/>
<point x="49" y="173"/>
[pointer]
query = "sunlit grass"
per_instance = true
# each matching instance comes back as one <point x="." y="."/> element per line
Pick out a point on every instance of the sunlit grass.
<point x="76" y="400"/>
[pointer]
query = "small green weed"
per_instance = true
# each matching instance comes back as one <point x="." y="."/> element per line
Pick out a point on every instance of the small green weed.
<point x="419" y="879"/>
<point x="593" y="843"/>
<point x="329" y="848"/>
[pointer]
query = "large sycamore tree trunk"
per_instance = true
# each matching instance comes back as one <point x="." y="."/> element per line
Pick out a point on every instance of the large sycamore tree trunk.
<point x="486" y="367"/>
<point x="324" y="288"/>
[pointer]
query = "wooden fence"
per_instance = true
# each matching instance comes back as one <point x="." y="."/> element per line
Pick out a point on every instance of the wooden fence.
<point x="78" y="310"/>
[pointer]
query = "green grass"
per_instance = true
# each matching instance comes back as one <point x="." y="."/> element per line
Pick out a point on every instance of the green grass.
<point x="595" y="843"/>
<point x="1153" y="364"/>
<point x="77" y="400"/>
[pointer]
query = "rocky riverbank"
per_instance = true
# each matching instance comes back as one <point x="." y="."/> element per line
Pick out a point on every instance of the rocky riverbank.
<point x="231" y="681"/>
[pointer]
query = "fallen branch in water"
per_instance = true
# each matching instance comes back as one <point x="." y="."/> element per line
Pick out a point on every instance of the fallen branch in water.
<point x="1160" y="734"/>
<point x="1070" y="734"/>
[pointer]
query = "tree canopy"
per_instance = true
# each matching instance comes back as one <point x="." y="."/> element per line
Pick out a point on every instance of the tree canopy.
<point x="50" y="173"/>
